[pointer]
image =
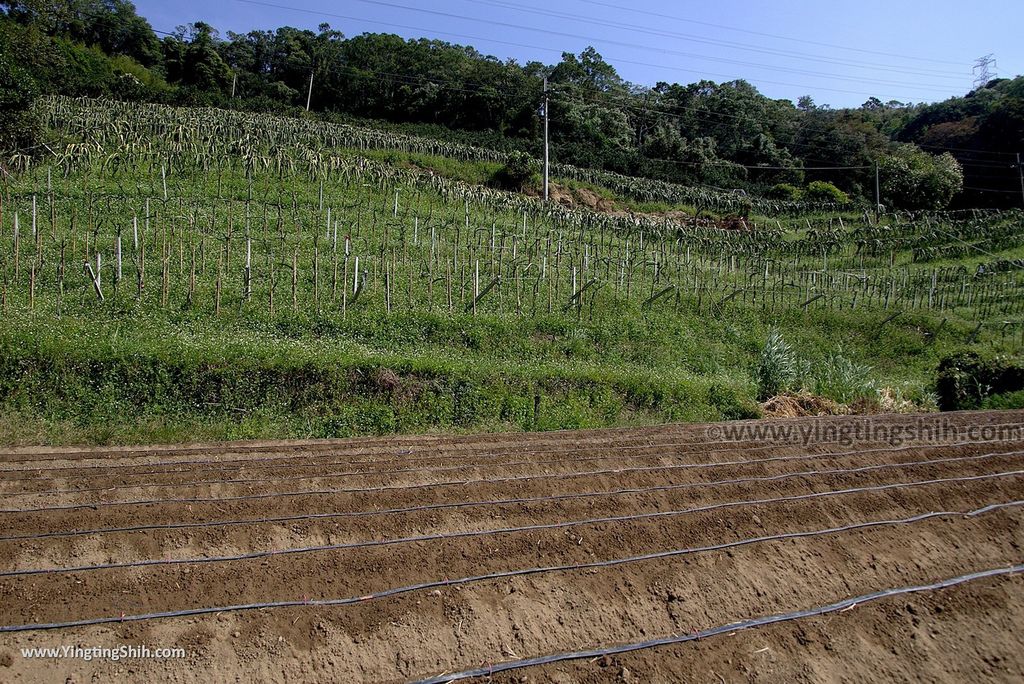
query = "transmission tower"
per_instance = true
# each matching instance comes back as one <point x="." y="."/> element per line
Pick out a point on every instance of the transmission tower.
<point x="984" y="70"/>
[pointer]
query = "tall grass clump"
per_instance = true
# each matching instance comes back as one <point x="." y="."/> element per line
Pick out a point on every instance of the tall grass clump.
<point x="778" y="368"/>
<point x="844" y="380"/>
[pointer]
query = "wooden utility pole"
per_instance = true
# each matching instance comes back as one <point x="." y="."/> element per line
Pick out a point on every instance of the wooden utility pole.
<point x="1020" y="171"/>
<point x="547" y="104"/>
<point x="878" y="195"/>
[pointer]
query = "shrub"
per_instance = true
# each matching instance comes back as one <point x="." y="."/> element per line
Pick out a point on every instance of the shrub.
<point x="821" y="191"/>
<point x="785" y="192"/>
<point x="965" y="381"/>
<point x="519" y="169"/>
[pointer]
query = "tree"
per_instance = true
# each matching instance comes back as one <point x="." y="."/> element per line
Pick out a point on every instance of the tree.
<point x="192" y="59"/>
<point x="114" y="26"/>
<point x="913" y="179"/>
<point x="18" y="125"/>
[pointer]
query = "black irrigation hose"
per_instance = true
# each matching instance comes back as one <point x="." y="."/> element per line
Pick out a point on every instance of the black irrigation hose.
<point x="444" y="441"/>
<point x="680" y="429"/>
<point x="323" y="476"/>
<point x="492" y="532"/>
<point x="414" y="470"/>
<point x="314" y="446"/>
<point x="501" y="502"/>
<point x="243" y="463"/>
<point x="692" y="446"/>
<point x="697" y="445"/>
<point x="430" y="485"/>
<point x="403" y="471"/>
<point x="395" y="591"/>
<point x="838" y="606"/>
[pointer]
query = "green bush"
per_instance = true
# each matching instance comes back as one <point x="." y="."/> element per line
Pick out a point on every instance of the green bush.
<point x="966" y="381"/>
<point x="518" y="171"/>
<point x="785" y="192"/>
<point x="822" y="191"/>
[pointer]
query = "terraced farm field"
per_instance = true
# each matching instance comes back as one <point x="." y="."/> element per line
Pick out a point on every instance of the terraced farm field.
<point x="411" y="558"/>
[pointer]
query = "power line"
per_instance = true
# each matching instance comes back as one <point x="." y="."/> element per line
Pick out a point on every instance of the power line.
<point x="697" y="113"/>
<point x="964" y="149"/>
<point x="673" y="17"/>
<point x="564" y="34"/>
<point x="717" y="42"/>
<point x="549" y="49"/>
<point x="724" y="162"/>
<point x="1010" y="192"/>
<point x="415" y="79"/>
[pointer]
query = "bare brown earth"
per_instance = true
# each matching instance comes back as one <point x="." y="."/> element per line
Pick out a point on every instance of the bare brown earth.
<point x="403" y="511"/>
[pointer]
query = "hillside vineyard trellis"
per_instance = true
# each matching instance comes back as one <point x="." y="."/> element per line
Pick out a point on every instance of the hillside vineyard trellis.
<point x="216" y="211"/>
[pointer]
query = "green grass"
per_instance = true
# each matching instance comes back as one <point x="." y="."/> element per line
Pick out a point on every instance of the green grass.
<point x="114" y="377"/>
<point x="164" y="365"/>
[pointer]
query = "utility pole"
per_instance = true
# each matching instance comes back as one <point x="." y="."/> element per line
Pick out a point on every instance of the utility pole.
<point x="546" y="153"/>
<point x="1020" y="171"/>
<point x="234" y="80"/>
<point x="878" y="195"/>
<point x="309" y="97"/>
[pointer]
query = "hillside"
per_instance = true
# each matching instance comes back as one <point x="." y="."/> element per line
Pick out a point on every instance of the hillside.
<point x="254" y="276"/>
<point x="957" y="153"/>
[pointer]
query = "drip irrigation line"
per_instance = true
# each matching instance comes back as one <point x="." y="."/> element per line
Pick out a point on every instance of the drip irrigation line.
<point x="365" y="442"/>
<point x="496" y="502"/>
<point x="447" y="536"/>
<point x="334" y="447"/>
<point x="395" y="591"/>
<point x="264" y="462"/>
<point x="447" y="483"/>
<point x="236" y="447"/>
<point x="439" y="455"/>
<point x="243" y="463"/>
<point x="777" y="428"/>
<point x="836" y="607"/>
<point x="427" y="485"/>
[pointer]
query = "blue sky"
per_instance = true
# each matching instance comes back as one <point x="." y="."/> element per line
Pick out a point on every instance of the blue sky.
<point x="840" y="53"/>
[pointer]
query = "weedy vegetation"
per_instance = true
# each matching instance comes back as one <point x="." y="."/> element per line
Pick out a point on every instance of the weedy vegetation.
<point x="170" y="273"/>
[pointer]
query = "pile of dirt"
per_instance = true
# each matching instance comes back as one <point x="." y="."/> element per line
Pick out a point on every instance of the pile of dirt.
<point x="733" y="223"/>
<point x="575" y="197"/>
<point x="802" y="405"/>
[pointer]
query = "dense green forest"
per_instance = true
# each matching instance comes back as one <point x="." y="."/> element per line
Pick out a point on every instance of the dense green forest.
<point x="960" y="152"/>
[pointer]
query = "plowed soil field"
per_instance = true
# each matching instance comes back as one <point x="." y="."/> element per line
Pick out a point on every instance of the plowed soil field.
<point x="630" y="555"/>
